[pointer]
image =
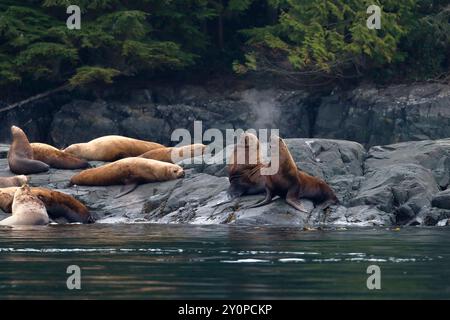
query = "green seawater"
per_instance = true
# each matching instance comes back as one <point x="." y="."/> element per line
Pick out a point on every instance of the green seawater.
<point x="148" y="261"/>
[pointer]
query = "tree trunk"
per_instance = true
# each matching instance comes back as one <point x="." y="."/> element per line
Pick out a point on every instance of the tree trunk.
<point x="220" y="31"/>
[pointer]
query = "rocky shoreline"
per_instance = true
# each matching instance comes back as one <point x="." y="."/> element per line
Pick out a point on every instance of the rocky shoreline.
<point x="397" y="184"/>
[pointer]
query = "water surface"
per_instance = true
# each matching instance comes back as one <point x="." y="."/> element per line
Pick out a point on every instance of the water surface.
<point x="145" y="261"/>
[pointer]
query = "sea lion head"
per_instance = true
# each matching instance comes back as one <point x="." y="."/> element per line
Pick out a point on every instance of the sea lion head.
<point x="176" y="171"/>
<point x="248" y="140"/>
<point x="247" y="150"/>
<point x="23" y="193"/>
<point x="22" y="179"/>
<point x="16" y="132"/>
<point x="73" y="149"/>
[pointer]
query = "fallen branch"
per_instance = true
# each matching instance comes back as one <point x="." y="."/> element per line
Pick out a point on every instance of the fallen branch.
<point x="34" y="98"/>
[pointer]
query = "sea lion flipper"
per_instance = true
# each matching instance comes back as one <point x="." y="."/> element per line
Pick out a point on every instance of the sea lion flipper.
<point x="296" y="204"/>
<point x="267" y="199"/>
<point x="126" y="189"/>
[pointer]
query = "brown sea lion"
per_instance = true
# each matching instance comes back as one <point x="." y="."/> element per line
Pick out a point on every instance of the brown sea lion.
<point x="27" y="209"/>
<point x="292" y="184"/>
<point x="244" y="167"/>
<point x="175" y="154"/>
<point x="59" y="205"/>
<point x="111" y="148"/>
<point x="16" y="181"/>
<point x="129" y="172"/>
<point x="56" y="158"/>
<point x="20" y="155"/>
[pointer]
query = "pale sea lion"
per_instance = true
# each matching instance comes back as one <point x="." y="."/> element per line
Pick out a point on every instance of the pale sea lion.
<point x="56" y="158"/>
<point x="175" y="154"/>
<point x="111" y="148"/>
<point x="27" y="209"/>
<point x="244" y="167"/>
<point x="16" y="181"/>
<point x="59" y="205"/>
<point x="20" y="155"/>
<point x="292" y="184"/>
<point x="129" y="172"/>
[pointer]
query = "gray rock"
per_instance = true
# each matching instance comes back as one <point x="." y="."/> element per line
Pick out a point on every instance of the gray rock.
<point x="441" y="200"/>
<point x="403" y="189"/>
<point x="363" y="216"/>
<point x="327" y="158"/>
<point x="375" y="116"/>
<point x="432" y="217"/>
<point x="443" y="223"/>
<point x="81" y="121"/>
<point x="4" y="148"/>
<point x="346" y="186"/>
<point x="434" y="155"/>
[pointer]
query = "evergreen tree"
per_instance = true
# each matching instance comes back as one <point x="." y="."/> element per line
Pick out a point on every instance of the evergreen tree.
<point x="300" y="40"/>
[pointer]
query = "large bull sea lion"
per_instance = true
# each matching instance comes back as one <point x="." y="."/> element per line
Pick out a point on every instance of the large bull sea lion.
<point x="244" y="167"/>
<point x="292" y="184"/>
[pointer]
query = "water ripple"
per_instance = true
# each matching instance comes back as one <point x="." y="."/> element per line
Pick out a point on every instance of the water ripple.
<point x="103" y="250"/>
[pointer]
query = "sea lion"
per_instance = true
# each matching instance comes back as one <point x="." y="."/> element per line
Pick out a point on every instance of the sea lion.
<point x="59" y="205"/>
<point x="129" y="172"/>
<point x="27" y="209"/>
<point x="20" y="155"/>
<point x="56" y="158"/>
<point x="244" y="167"/>
<point x="111" y="148"/>
<point x="175" y="154"/>
<point x="292" y="184"/>
<point x="16" y="181"/>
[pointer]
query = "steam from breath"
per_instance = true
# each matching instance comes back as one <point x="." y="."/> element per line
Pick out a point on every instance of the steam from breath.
<point x="263" y="105"/>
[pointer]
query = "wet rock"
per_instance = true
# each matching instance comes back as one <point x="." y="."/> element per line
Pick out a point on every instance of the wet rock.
<point x="443" y="223"/>
<point x="363" y="216"/>
<point x="432" y="217"/>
